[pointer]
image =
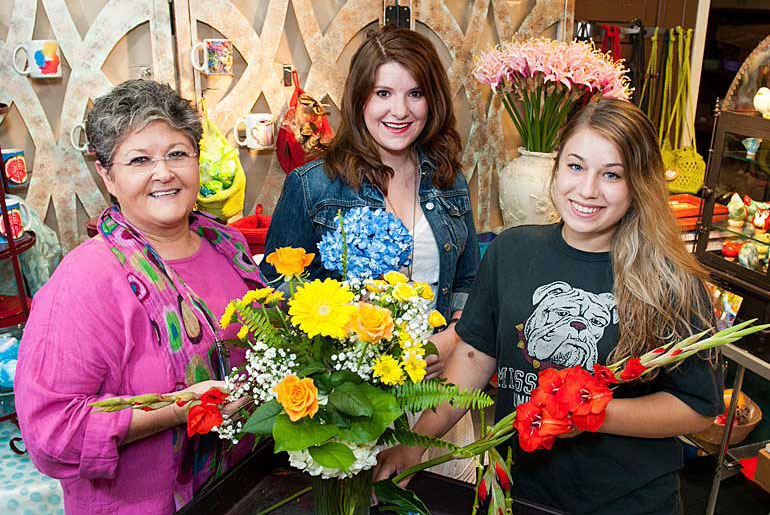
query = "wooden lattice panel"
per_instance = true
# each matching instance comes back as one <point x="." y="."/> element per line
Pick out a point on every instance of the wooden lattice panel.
<point x="61" y="175"/>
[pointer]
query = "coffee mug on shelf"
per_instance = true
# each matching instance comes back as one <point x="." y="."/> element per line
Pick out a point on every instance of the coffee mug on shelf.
<point x="260" y="131"/>
<point x="217" y="56"/>
<point x="18" y="214"/>
<point x="15" y="166"/>
<point x="75" y="134"/>
<point x="43" y="59"/>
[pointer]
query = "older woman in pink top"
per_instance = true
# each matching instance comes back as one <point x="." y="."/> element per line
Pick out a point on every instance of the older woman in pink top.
<point x="133" y="310"/>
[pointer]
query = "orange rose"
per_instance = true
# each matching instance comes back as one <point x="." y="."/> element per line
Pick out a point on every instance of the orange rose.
<point x="299" y="397"/>
<point x="290" y="260"/>
<point x="372" y="323"/>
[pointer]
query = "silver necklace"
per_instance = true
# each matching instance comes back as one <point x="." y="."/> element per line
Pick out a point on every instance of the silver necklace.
<point x="414" y="215"/>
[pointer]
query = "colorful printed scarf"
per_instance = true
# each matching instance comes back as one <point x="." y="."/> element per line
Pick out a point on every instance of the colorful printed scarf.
<point x="186" y="330"/>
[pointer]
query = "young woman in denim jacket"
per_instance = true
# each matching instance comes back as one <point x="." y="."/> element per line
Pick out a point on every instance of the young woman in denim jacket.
<point x="397" y="148"/>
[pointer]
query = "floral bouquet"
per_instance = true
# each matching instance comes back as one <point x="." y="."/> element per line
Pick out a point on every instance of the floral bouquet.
<point x="334" y="366"/>
<point x="541" y="81"/>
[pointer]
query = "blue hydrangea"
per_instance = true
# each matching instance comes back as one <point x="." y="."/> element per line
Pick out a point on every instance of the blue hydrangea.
<point x="377" y="242"/>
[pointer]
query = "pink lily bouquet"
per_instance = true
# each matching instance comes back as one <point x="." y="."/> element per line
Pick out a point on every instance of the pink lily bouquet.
<point x="541" y="81"/>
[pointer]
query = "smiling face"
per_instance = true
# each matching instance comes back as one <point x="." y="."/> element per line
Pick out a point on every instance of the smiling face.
<point x="395" y="112"/>
<point x="159" y="199"/>
<point x="591" y="190"/>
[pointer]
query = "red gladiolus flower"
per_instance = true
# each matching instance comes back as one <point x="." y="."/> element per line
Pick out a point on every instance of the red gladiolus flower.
<point x="549" y="381"/>
<point x="483" y="490"/>
<point x="677" y="352"/>
<point x="202" y="417"/>
<point x="147" y="408"/>
<point x="537" y="428"/>
<point x="502" y="476"/>
<point x="214" y="396"/>
<point x="634" y="369"/>
<point x="604" y="375"/>
<point x="585" y="398"/>
<point x="181" y="402"/>
<point x="659" y="350"/>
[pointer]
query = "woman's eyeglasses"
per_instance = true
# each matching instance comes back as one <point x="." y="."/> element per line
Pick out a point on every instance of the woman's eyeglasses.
<point x="176" y="159"/>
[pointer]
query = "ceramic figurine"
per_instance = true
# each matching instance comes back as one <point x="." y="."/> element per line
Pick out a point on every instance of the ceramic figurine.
<point x="761" y="220"/>
<point x="762" y="102"/>
<point x="751" y="206"/>
<point x="762" y="252"/>
<point x="748" y="256"/>
<point x="730" y="249"/>
<point x="751" y="145"/>
<point x="737" y="212"/>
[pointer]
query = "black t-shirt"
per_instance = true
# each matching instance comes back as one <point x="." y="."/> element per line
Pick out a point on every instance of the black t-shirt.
<point x="539" y="303"/>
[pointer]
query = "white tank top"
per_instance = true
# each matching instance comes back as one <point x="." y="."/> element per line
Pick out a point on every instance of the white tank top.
<point x="426" y="257"/>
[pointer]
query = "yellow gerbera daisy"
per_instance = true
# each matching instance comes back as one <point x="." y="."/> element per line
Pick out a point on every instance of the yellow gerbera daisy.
<point x="227" y="316"/>
<point x="388" y="370"/>
<point x="415" y="367"/>
<point x="322" y="308"/>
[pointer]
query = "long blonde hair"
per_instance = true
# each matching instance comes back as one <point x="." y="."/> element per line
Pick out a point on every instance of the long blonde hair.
<point x="659" y="286"/>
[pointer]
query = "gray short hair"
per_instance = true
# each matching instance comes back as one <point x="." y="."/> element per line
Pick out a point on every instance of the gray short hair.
<point x="132" y="105"/>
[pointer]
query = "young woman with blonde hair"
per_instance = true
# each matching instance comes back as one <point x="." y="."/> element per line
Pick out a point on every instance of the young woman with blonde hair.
<point x="612" y="279"/>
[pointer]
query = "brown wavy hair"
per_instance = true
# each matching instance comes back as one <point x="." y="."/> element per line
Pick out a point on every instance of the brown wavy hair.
<point x="353" y="154"/>
<point x="659" y="286"/>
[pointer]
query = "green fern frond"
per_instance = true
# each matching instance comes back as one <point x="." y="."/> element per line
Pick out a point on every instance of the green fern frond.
<point x="388" y="438"/>
<point x="419" y="396"/>
<point x="259" y="326"/>
<point x="412" y="439"/>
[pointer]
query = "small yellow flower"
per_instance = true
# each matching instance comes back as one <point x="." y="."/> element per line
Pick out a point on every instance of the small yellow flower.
<point x="415" y="367"/>
<point x="275" y="296"/>
<point x="388" y="370"/>
<point x="436" y="319"/>
<point x="227" y="316"/>
<point x="404" y="292"/>
<point x="376" y="285"/>
<point x="253" y="296"/>
<point x="243" y="331"/>
<point x="394" y="277"/>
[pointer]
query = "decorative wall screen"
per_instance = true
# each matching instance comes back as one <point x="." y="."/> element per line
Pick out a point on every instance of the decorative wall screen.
<point x="104" y="42"/>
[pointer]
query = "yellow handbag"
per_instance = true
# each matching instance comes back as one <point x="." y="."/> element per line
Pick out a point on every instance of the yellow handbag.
<point x="685" y="168"/>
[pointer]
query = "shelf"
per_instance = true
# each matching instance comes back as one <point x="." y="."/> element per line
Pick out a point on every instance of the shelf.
<point x="747" y="234"/>
<point x="24" y="243"/>
<point x="739" y="155"/>
<point x="11" y="312"/>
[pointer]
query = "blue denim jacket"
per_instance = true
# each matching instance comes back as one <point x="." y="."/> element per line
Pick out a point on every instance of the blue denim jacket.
<point x="310" y="200"/>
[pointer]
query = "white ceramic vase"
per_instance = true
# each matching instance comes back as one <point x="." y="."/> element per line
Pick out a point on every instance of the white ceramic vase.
<point x="523" y="189"/>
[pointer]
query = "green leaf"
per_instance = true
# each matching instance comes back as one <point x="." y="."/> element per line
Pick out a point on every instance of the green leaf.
<point x="299" y="435"/>
<point x="310" y="369"/>
<point x="394" y="498"/>
<point x="350" y="398"/>
<point x="323" y="382"/>
<point x="430" y="348"/>
<point x="343" y="376"/>
<point x="261" y="421"/>
<point x="333" y="455"/>
<point x="331" y="416"/>
<point x="386" y="410"/>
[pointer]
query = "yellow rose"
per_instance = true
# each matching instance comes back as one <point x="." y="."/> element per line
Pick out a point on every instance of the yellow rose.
<point x="372" y="323"/>
<point x="394" y="277"/>
<point x="436" y="319"/>
<point x="299" y="397"/>
<point x="289" y="260"/>
<point x="404" y="292"/>
<point x="423" y="289"/>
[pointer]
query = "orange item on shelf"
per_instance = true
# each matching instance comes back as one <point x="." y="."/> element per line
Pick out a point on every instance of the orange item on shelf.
<point x="686" y="208"/>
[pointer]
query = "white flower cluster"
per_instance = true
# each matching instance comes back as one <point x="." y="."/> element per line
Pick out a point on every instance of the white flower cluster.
<point x="353" y="361"/>
<point x="228" y="429"/>
<point x="265" y="367"/>
<point x="365" y="453"/>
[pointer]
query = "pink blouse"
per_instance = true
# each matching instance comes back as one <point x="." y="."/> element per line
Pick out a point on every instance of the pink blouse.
<point x="89" y="338"/>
